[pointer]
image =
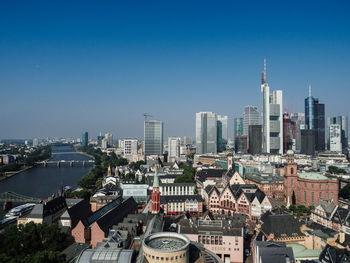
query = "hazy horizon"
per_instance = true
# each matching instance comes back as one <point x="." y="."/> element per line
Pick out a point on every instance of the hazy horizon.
<point x="72" y="67"/>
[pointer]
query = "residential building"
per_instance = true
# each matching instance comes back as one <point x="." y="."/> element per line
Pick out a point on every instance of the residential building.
<point x="84" y="139"/>
<point x="179" y="204"/>
<point x="255" y="139"/>
<point x="271" y="185"/>
<point x="153" y="138"/>
<point x="174" y="144"/>
<point x="272" y="112"/>
<point x="206" y="132"/>
<point x="250" y="117"/>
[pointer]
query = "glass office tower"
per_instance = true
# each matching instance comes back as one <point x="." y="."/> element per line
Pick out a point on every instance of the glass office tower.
<point x="84" y="139"/>
<point x="206" y="132"/>
<point x="153" y="138"/>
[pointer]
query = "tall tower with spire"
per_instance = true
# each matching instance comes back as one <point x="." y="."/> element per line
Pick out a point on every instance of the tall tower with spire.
<point x="155" y="194"/>
<point x="265" y="91"/>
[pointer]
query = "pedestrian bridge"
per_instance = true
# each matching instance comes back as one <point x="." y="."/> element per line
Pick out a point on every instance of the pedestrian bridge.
<point x="17" y="198"/>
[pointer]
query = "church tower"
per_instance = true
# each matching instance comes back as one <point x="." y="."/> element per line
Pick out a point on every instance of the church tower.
<point x="290" y="177"/>
<point x="155" y="194"/>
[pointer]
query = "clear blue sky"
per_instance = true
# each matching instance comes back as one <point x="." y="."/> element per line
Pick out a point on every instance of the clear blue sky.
<point x="69" y="66"/>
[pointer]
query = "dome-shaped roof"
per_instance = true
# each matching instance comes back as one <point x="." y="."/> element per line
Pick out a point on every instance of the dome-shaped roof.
<point x="290" y="152"/>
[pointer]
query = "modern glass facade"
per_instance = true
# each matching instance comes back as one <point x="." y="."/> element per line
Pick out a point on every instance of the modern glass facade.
<point x="84" y="139"/>
<point x="153" y="138"/>
<point x="206" y="132"/>
<point x="222" y="132"/>
<point x="238" y="126"/>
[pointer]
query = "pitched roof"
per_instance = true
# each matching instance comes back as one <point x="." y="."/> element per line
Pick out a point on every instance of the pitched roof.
<point x="332" y="254"/>
<point x="210" y="173"/>
<point x="274" y="252"/>
<point x="79" y="211"/>
<point x="283" y="225"/>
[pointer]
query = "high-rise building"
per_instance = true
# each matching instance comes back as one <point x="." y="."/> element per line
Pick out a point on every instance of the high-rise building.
<point x="35" y="142"/>
<point x="238" y="126"/>
<point x="272" y="109"/>
<point x="315" y="120"/>
<point x="250" y="117"/>
<point x="188" y="140"/>
<point x="222" y="132"/>
<point x="335" y="138"/>
<point x="153" y="137"/>
<point x="299" y="122"/>
<point x="99" y="139"/>
<point x="343" y="122"/>
<point x="104" y="143"/>
<point x="84" y="139"/>
<point x="109" y="138"/>
<point x="206" y="132"/>
<point x="308" y="142"/>
<point x="241" y="144"/>
<point x="130" y="147"/>
<point x="255" y="139"/>
<point x="174" y="144"/>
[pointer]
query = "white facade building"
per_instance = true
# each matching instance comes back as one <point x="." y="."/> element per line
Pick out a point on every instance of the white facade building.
<point x="272" y="113"/>
<point x="177" y="189"/>
<point x="130" y="147"/>
<point x="109" y="138"/>
<point x="335" y="138"/>
<point x="104" y="143"/>
<point x="174" y="144"/>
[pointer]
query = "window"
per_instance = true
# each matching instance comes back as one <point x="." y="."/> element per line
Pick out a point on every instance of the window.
<point x="312" y="197"/>
<point x="312" y="186"/>
<point x="304" y="185"/>
<point x="332" y="186"/>
<point x="320" y="195"/>
<point x="292" y="171"/>
<point x="304" y="196"/>
<point x="320" y="186"/>
<point x="292" y="181"/>
<point x="332" y="195"/>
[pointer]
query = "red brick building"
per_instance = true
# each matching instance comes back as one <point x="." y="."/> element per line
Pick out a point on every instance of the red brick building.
<point x="308" y="187"/>
<point x="95" y="227"/>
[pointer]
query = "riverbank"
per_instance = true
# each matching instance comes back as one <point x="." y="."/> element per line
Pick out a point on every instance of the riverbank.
<point x="10" y="174"/>
<point x="87" y="155"/>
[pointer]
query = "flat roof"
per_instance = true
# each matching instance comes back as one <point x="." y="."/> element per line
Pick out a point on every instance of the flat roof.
<point x="313" y="176"/>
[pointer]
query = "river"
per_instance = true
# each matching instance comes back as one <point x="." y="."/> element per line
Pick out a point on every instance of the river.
<point x="42" y="182"/>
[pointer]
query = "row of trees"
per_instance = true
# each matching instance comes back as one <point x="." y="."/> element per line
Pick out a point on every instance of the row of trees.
<point x="187" y="176"/>
<point x="39" y="154"/>
<point x="33" y="243"/>
<point x="93" y="180"/>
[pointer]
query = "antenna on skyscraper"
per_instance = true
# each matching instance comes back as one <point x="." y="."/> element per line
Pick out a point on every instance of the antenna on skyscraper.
<point x="263" y="77"/>
<point x="309" y="90"/>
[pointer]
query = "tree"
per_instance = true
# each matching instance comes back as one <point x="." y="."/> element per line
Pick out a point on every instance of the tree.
<point x="336" y="170"/>
<point x="293" y="198"/>
<point x="32" y="243"/>
<point x="345" y="192"/>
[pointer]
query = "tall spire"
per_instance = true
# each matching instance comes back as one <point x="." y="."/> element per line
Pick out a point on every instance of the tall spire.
<point x="156" y="180"/>
<point x="309" y="90"/>
<point x="263" y="76"/>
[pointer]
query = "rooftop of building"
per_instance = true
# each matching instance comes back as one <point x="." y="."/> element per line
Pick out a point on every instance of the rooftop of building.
<point x="264" y="178"/>
<point x="301" y="251"/>
<point x="314" y="176"/>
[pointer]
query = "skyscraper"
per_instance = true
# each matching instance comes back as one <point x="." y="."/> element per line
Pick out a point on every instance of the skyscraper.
<point x="238" y="126"/>
<point x="250" y="117"/>
<point x="343" y="123"/>
<point x="222" y="132"/>
<point x="84" y="139"/>
<point x="315" y="120"/>
<point x="188" y="140"/>
<point x="174" y="144"/>
<point x="206" y="132"/>
<point x="153" y="137"/>
<point x="255" y="138"/>
<point x="272" y="109"/>
<point x="335" y="138"/>
<point x="130" y="147"/>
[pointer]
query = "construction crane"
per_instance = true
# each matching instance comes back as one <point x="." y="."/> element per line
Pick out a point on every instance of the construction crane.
<point x="146" y="115"/>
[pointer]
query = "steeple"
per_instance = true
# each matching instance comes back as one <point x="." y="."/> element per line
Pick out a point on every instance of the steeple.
<point x="156" y="180"/>
<point x="309" y="90"/>
<point x="109" y="172"/>
<point x="263" y="75"/>
<point x="155" y="194"/>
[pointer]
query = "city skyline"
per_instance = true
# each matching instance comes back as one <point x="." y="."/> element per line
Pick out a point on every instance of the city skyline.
<point x="66" y="76"/>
